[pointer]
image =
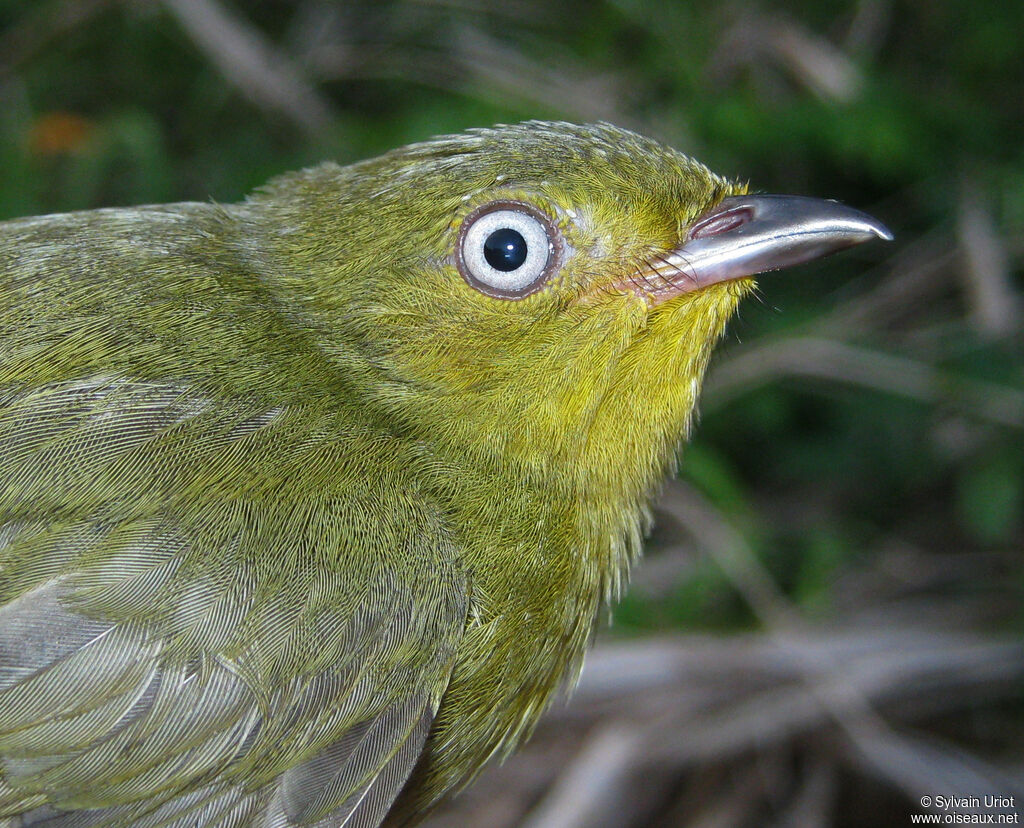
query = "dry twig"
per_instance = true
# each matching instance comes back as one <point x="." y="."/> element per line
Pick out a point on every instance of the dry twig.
<point x="840" y="362"/>
<point x="994" y="307"/>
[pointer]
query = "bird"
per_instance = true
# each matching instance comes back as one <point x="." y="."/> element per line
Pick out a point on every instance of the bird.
<point x="310" y="504"/>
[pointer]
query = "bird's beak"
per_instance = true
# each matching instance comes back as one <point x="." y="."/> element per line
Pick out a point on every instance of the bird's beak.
<point x="749" y="234"/>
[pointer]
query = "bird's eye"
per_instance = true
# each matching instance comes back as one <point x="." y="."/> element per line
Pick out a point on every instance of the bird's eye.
<point x="507" y="249"/>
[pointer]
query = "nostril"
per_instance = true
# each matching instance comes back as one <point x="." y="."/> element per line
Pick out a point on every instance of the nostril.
<point x="721" y="222"/>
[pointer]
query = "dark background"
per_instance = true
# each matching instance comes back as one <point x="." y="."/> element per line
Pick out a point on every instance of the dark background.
<point x="827" y="627"/>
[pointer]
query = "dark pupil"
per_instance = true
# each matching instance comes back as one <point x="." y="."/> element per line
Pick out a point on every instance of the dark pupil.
<point x="505" y="249"/>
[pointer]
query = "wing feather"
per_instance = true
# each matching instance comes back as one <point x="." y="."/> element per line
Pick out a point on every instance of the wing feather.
<point x="249" y="657"/>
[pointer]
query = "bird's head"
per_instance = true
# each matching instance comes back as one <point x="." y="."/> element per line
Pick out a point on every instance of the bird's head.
<point x="544" y="295"/>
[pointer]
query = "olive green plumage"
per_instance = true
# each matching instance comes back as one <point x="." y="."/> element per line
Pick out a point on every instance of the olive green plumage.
<point x="290" y="511"/>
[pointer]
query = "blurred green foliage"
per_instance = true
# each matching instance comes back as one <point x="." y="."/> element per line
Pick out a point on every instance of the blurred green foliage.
<point x="902" y="108"/>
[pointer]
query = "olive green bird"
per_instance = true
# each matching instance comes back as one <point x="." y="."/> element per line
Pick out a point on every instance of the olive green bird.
<point x="309" y="504"/>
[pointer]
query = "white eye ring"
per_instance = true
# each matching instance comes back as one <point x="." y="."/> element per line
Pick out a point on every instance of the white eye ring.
<point x="507" y="249"/>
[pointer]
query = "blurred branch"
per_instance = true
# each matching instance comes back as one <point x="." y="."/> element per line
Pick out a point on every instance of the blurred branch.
<point x="691" y="701"/>
<point x="730" y="805"/>
<point x="812" y="61"/>
<point x="986" y="272"/>
<point x="731" y="552"/>
<point x="844" y="689"/>
<point x="594" y="783"/>
<point x="854" y="365"/>
<point x="474" y="63"/>
<point x="262" y="73"/>
<point x="813" y="801"/>
<point x="819" y="65"/>
<point x="560" y="86"/>
<point x="918" y="767"/>
<point x="868" y="26"/>
<point x="919" y="271"/>
<point x="845" y="701"/>
<point x="906" y="660"/>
